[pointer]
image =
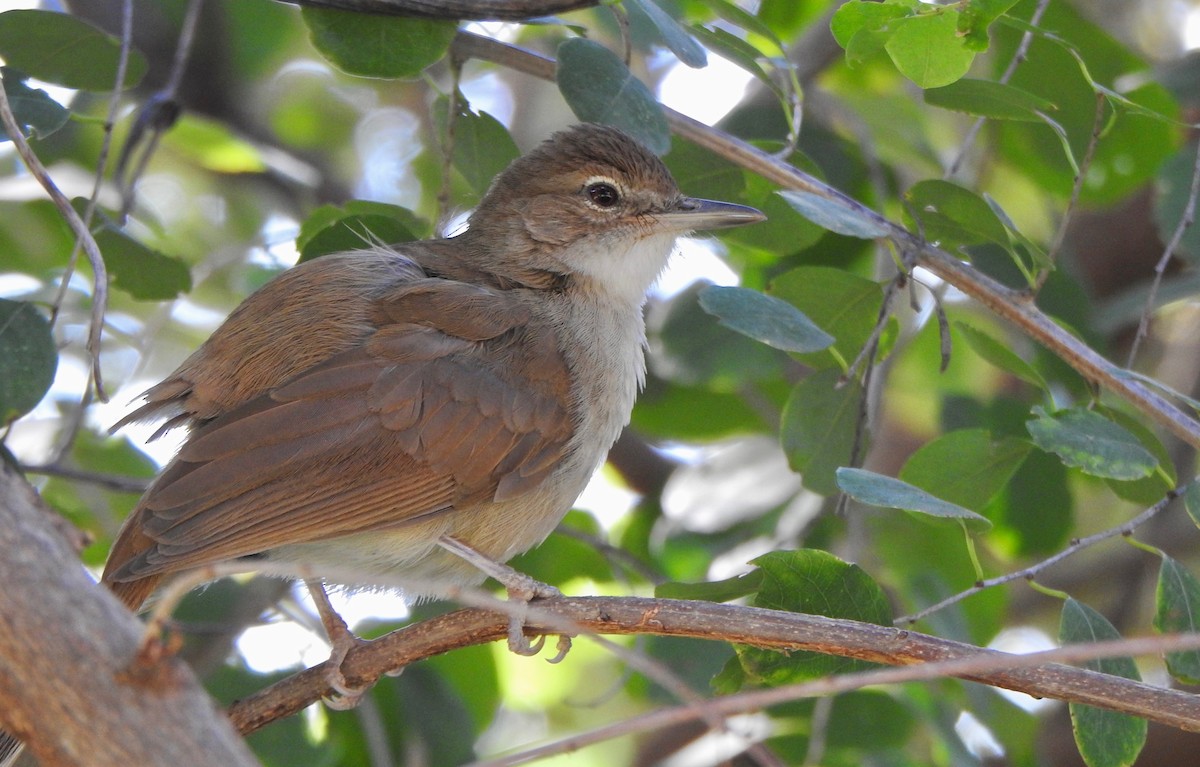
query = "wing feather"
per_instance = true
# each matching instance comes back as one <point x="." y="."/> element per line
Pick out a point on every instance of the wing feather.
<point x="435" y="410"/>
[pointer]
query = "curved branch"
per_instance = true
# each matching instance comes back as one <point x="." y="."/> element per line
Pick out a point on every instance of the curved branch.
<point x="1013" y="305"/>
<point x="759" y="627"/>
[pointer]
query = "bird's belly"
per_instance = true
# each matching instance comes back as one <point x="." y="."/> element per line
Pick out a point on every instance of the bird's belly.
<point x="407" y="556"/>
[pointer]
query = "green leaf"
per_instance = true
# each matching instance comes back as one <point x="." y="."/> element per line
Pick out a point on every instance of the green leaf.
<point x="836" y="215"/>
<point x="817" y="428"/>
<point x="356" y="225"/>
<point x="28" y="359"/>
<point x="142" y="272"/>
<point x="1089" y="441"/>
<point x="1149" y="489"/>
<point x="712" y="591"/>
<point x="674" y="412"/>
<point x="373" y="45"/>
<point x="1174" y="189"/>
<point x="34" y="110"/>
<point x="1191" y="501"/>
<point x="883" y="491"/>
<point x="952" y="216"/>
<point x="695" y="351"/>
<point x="1177" y="610"/>
<point x="928" y="50"/>
<point x="674" y="36"/>
<point x="871" y="720"/>
<point x="764" y="318"/>
<point x="483" y="147"/>
<point x="818" y="583"/>
<point x="843" y="304"/>
<point x="600" y="88"/>
<point x="966" y="467"/>
<point x="1001" y="356"/>
<point x="987" y="98"/>
<point x="1104" y="738"/>
<point x="976" y="16"/>
<point x="65" y="50"/>
<point x="1036" y="509"/>
<point x="861" y="28"/>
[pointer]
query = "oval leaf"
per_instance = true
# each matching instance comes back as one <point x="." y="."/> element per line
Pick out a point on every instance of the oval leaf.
<point x="1104" y="738"/>
<point x="835" y="215"/>
<point x="985" y="98"/>
<point x="1089" y="441"/>
<point x="818" y="428"/>
<point x="674" y="36"/>
<point x="599" y="88"/>
<point x="928" y="50"/>
<point x="889" y="493"/>
<point x="1001" y="356"/>
<point x="815" y="582"/>
<point x="764" y="318"/>
<point x="1191" y="501"/>
<point x="952" y="216"/>
<point x="844" y="304"/>
<point x="36" y="113"/>
<point x="371" y="45"/>
<point x="65" y="50"/>
<point x="966" y="467"/>
<point x="1177" y="610"/>
<point x="28" y="359"/>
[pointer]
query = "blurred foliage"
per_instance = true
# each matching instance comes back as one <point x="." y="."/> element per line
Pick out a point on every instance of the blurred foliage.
<point x="307" y="132"/>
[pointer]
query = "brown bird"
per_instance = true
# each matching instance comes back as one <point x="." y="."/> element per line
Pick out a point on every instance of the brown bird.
<point x="394" y="408"/>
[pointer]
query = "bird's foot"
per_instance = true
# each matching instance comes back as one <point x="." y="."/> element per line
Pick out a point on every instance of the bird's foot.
<point x="522" y="589"/>
<point x="342" y="641"/>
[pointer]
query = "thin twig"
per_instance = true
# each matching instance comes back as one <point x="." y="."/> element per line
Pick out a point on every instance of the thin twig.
<point x="837" y="684"/>
<point x="110" y="481"/>
<point x="159" y="113"/>
<point x="1061" y="235"/>
<point x="1185" y="221"/>
<point x="1031" y="572"/>
<point x="78" y="227"/>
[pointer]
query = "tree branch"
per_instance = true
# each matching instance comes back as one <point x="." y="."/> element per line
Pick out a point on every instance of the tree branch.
<point x="66" y="645"/>
<point x="755" y="626"/>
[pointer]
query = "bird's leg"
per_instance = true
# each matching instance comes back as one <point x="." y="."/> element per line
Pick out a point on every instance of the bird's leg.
<point x="342" y="640"/>
<point x="521" y="588"/>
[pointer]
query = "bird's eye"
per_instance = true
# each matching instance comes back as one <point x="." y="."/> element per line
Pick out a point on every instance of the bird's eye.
<point x="603" y="195"/>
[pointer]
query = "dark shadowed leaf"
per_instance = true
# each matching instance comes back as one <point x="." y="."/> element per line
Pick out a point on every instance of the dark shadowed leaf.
<point x="818" y="583"/>
<point x="28" y="359"/>
<point x="985" y="98"/>
<point x="36" y="113"/>
<point x="600" y="88"/>
<point x="818" y="428"/>
<point x="1177" y="610"/>
<point x="967" y="467"/>
<point x="371" y="45"/>
<point x="65" y="50"/>
<point x="1104" y="738"/>
<point x="674" y="36"/>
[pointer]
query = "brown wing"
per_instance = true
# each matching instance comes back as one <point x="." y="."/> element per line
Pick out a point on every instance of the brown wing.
<point x="457" y="398"/>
